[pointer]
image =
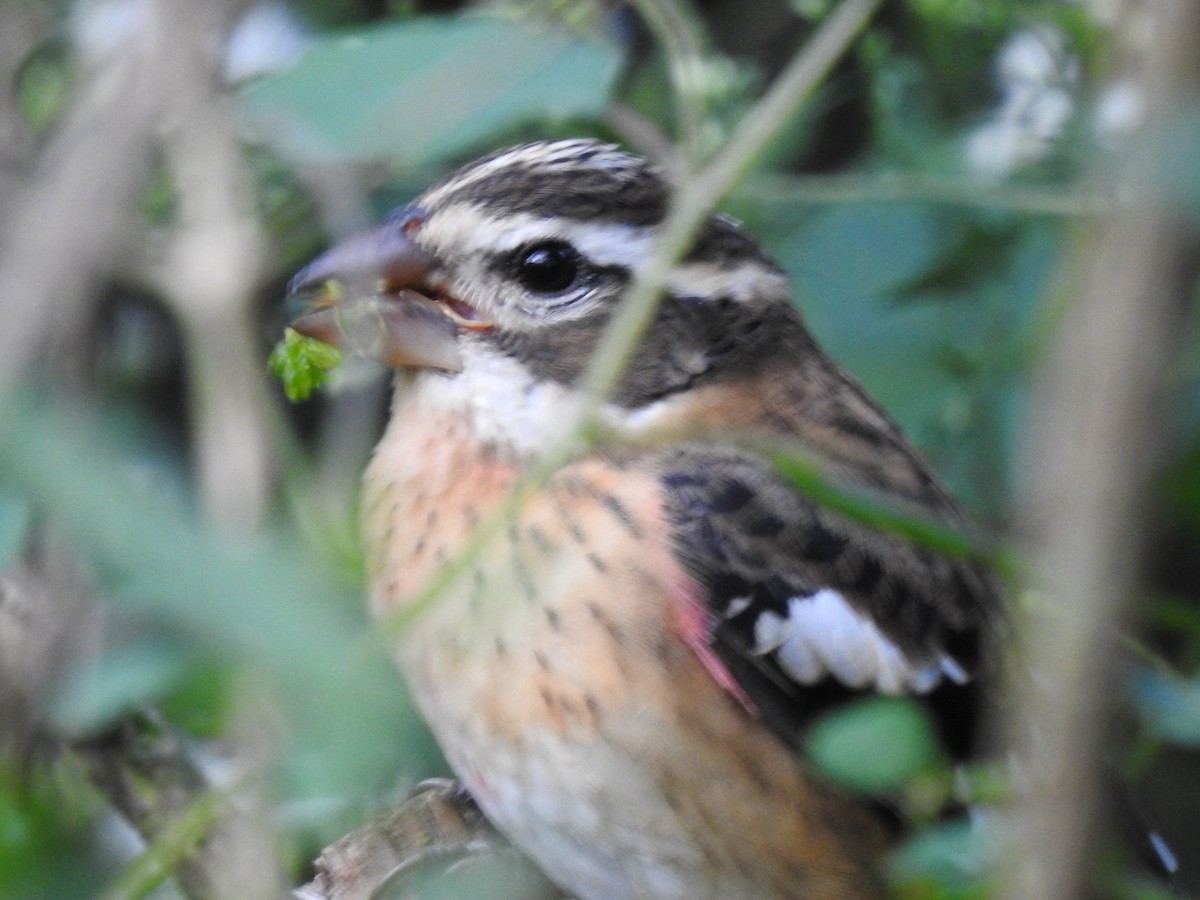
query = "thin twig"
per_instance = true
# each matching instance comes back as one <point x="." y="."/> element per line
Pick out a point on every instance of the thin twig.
<point x="694" y="201"/>
<point x="640" y="133"/>
<point x="682" y="41"/>
<point x="47" y="623"/>
<point x="214" y="259"/>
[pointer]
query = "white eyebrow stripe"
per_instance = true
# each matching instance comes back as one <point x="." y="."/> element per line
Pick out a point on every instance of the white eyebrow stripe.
<point x="746" y="281"/>
<point x="473" y="229"/>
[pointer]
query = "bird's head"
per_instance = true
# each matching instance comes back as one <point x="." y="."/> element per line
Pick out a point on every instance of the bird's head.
<point x="516" y="262"/>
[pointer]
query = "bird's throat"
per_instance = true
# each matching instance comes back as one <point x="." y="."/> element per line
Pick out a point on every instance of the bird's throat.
<point x="430" y="485"/>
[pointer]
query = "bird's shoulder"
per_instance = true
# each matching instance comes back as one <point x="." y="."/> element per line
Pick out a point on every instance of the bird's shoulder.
<point x="805" y="604"/>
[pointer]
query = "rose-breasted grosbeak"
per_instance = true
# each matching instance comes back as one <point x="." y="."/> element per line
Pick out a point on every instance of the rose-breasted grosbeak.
<point x="624" y="676"/>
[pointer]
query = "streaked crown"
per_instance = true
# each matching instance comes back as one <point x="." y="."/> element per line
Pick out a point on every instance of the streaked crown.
<point x="582" y="180"/>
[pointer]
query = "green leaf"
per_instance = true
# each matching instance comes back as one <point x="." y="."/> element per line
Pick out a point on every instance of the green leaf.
<point x="417" y="91"/>
<point x="982" y="250"/>
<point x="44" y="85"/>
<point x="951" y="860"/>
<point x="199" y="700"/>
<point x="302" y="363"/>
<point x="260" y="601"/>
<point x="805" y="475"/>
<point x="1169" y="706"/>
<point x="45" y="850"/>
<point x="874" y="746"/>
<point x="16" y="519"/>
<point x="117" y="683"/>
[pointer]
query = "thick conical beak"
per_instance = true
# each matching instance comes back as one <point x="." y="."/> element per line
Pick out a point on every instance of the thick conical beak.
<point x="373" y="295"/>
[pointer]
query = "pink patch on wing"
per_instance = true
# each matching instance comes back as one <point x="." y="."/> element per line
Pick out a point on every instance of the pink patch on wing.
<point x="694" y="623"/>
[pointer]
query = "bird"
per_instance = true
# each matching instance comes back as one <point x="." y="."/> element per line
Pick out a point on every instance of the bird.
<point x="623" y="676"/>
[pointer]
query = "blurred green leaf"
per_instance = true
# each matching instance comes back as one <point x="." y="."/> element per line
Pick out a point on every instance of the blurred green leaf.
<point x="947" y="862"/>
<point x="117" y="682"/>
<point x="950" y="372"/>
<point x="199" y="700"/>
<point x="983" y="782"/>
<point x="875" y="745"/>
<point x="44" y="850"/>
<point x="981" y="250"/>
<point x="44" y="84"/>
<point x="263" y="601"/>
<point x="1169" y="706"/>
<point x="16" y="518"/>
<point x="418" y="91"/>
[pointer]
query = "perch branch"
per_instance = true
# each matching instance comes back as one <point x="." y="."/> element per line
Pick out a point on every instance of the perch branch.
<point x="439" y="822"/>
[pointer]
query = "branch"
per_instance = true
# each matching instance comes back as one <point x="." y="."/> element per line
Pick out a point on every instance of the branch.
<point x="438" y="822"/>
<point x="694" y="201"/>
<point x="143" y="770"/>
<point x="46" y="623"/>
<point x="212" y="262"/>
<point x="53" y="250"/>
<point x="682" y="41"/>
<point x="1096" y="434"/>
<point x="153" y="88"/>
<point x="965" y="191"/>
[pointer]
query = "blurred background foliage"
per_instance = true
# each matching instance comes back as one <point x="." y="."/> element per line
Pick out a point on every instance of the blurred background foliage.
<point x="922" y="203"/>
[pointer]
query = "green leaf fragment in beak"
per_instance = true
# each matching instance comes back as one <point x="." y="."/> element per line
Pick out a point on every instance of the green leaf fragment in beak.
<point x="302" y="363"/>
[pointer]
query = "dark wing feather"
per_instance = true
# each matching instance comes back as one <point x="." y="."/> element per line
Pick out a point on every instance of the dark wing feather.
<point x="804" y="604"/>
<point x="808" y="606"/>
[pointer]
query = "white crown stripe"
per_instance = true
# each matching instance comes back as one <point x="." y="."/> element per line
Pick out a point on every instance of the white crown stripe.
<point x="474" y="229"/>
<point x="543" y="156"/>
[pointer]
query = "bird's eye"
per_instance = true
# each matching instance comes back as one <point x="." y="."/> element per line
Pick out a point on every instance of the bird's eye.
<point x="548" y="267"/>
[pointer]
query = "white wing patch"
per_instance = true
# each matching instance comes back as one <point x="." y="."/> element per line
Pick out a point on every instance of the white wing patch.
<point x="824" y="635"/>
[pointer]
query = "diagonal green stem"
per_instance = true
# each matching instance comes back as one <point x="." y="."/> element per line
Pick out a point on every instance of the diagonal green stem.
<point x="694" y="202"/>
<point x="682" y="41"/>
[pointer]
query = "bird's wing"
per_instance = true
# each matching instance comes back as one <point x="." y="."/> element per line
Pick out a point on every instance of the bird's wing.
<point x="803" y="606"/>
